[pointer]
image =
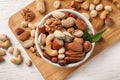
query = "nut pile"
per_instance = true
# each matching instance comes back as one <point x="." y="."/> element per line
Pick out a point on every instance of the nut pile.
<point x="5" y="43"/>
<point x="61" y="38"/>
<point x="95" y="10"/>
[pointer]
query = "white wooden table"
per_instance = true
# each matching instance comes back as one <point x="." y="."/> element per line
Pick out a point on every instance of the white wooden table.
<point x="105" y="66"/>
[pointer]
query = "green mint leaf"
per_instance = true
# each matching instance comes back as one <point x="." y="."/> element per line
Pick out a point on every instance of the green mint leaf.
<point x="86" y="35"/>
<point x="97" y="36"/>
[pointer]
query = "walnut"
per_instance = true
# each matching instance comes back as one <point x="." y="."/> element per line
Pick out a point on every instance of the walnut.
<point x="52" y="24"/>
<point x="28" y="15"/>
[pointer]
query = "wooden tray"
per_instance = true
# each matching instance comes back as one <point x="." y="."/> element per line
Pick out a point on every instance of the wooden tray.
<point x="48" y="71"/>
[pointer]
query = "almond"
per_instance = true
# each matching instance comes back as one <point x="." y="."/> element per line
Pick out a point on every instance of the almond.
<point x="18" y="31"/>
<point x="24" y="36"/>
<point x="80" y="24"/>
<point x="99" y="25"/>
<point x="57" y="43"/>
<point x="75" y="46"/>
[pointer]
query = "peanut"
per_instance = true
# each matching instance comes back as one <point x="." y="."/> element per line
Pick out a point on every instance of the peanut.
<point x="56" y="4"/>
<point x="40" y="6"/>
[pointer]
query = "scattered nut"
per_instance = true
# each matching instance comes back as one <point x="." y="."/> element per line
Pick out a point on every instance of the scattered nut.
<point x="3" y="37"/>
<point x="2" y="52"/>
<point x="79" y="0"/>
<point x="93" y="13"/>
<point x="28" y="15"/>
<point x="86" y="15"/>
<point x="16" y="52"/>
<point x="109" y="22"/>
<point x="31" y="26"/>
<point x="28" y="62"/>
<point x="74" y="4"/>
<point x="99" y="25"/>
<point x="32" y="49"/>
<point x="96" y="1"/>
<point x="92" y="7"/>
<point x="1" y="59"/>
<point x="99" y="7"/>
<point x="17" y="60"/>
<point x="19" y="31"/>
<point x="24" y="24"/>
<point x="85" y="5"/>
<point x="32" y="33"/>
<point x="56" y="4"/>
<point x="28" y="43"/>
<point x="104" y="14"/>
<point x="10" y="50"/>
<point x="108" y="8"/>
<point x="5" y="44"/>
<point x="41" y="6"/>
<point x="24" y="36"/>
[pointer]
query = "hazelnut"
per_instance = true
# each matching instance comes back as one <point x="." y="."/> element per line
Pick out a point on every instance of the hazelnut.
<point x="87" y="46"/>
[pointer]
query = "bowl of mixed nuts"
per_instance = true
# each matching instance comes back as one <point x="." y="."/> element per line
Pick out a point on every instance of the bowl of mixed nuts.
<point x="63" y="38"/>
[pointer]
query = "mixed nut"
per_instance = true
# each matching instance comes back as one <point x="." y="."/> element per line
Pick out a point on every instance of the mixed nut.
<point x="61" y="38"/>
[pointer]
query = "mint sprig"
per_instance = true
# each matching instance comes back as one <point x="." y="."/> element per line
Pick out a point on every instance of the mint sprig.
<point x="93" y="38"/>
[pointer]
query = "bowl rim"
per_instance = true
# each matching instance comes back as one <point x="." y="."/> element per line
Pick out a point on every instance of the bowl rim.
<point x="79" y="15"/>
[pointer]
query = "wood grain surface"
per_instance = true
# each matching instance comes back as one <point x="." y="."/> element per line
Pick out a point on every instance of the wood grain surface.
<point x="50" y="72"/>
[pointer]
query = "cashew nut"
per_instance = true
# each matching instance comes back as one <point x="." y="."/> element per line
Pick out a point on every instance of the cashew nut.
<point x="17" y="60"/>
<point x="48" y="48"/>
<point x="10" y="50"/>
<point x="2" y="52"/>
<point x="5" y="44"/>
<point x="3" y="37"/>
<point x="104" y="14"/>
<point x="16" y="52"/>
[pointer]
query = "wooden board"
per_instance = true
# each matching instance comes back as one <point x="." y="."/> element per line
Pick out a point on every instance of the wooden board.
<point x="50" y="72"/>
